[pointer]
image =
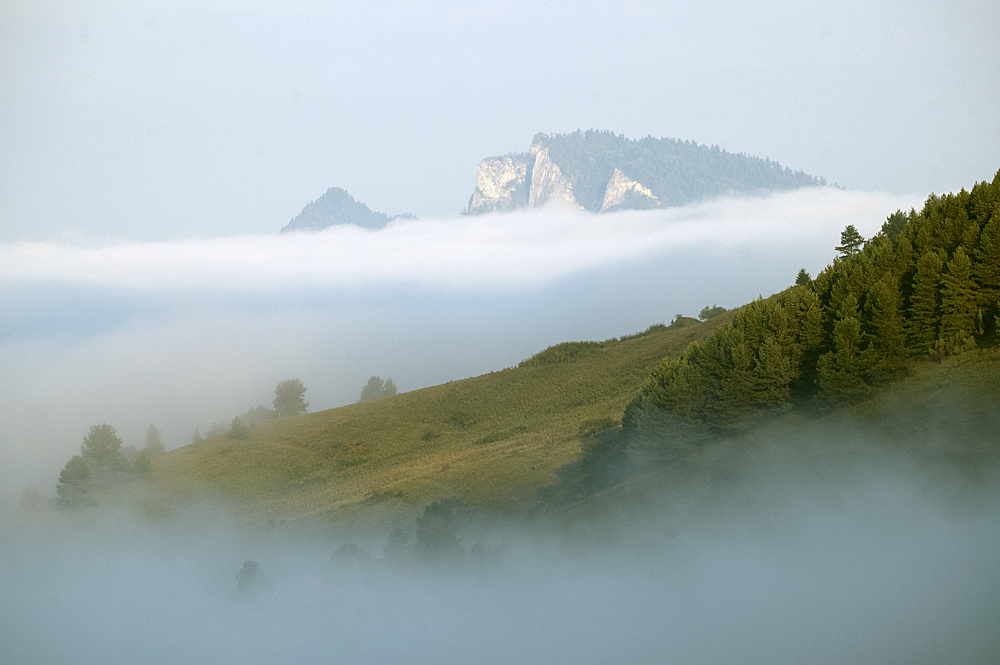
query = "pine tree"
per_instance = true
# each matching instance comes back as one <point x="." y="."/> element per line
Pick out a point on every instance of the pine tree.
<point x="376" y="388"/>
<point x="850" y="241"/>
<point x="803" y="278"/>
<point x="730" y="381"/>
<point x="958" y="304"/>
<point x="894" y="225"/>
<point x="840" y="373"/>
<point x="922" y="326"/>
<point x="289" y="398"/>
<point x="772" y="376"/>
<point x="102" y="449"/>
<point x="888" y="342"/>
<point x="74" y="484"/>
<point x="154" y="446"/>
<point x="806" y="327"/>
<point x="986" y="268"/>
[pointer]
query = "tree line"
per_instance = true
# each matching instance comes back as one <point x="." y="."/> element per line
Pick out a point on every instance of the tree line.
<point x="925" y="287"/>
<point x="105" y="462"/>
<point x="677" y="172"/>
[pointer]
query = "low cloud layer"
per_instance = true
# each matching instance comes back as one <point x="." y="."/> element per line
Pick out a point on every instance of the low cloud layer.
<point x="186" y="333"/>
<point x="869" y="563"/>
<point x="513" y="250"/>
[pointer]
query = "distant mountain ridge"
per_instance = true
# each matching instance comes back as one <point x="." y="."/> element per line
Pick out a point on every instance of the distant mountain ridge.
<point x="336" y="206"/>
<point x="600" y="171"/>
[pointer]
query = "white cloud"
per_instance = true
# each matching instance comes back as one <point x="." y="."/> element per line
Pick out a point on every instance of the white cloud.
<point x="463" y="253"/>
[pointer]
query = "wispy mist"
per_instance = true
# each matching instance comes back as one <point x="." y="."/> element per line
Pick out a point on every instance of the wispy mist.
<point x="876" y="562"/>
<point x="186" y="333"/>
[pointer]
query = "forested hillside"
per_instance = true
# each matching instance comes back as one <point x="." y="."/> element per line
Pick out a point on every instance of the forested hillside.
<point x="926" y="287"/>
<point x="677" y="172"/>
<point x="337" y="206"/>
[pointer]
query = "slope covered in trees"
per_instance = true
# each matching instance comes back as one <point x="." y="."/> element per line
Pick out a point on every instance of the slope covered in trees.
<point x="927" y="286"/>
<point x="677" y="172"/>
<point x="337" y="206"/>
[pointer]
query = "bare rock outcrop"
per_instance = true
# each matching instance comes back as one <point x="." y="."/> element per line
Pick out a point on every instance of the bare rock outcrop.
<point x="622" y="191"/>
<point x="548" y="182"/>
<point x="501" y="184"/>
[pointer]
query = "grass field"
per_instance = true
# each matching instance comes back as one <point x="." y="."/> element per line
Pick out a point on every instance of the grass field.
<point x="493" y="440"/>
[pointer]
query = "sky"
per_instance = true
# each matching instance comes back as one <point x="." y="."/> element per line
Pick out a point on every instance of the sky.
<point x="156" y="119"/>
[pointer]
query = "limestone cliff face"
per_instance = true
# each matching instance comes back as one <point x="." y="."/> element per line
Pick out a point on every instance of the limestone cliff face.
<point x="548" y="182"/>
<point x="603" y="172"/>
<point x="535" y="179"/>
<point x="501" y="184"/>
<point x="518" y="181"/>
<point x="623" y="192"/>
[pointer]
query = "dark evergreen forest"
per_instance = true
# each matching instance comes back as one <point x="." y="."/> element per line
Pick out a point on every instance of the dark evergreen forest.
<point x="925" y="287"/>
<point x="677" y="172"/>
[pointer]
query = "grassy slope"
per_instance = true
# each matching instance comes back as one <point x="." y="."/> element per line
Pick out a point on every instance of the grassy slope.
<point x="493" y="440"/>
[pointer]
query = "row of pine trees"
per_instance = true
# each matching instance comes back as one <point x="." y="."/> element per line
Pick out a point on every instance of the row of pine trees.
<point x="925" y="287"/>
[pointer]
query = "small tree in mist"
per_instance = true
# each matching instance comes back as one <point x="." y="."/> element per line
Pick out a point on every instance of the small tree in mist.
<point x="803" y="278"/>
<point x="102" y="448"/>
<point x="289" y="398"/>
<point x="197" y="436"/>
<point x="710" y="312"/>
<point x="154" y="446"/>
<point x="237" y="430"/>
<point x="350" y="554"/>
<point x="397" y="547"/>
<point x="216" y="429"/>
<point x="377" y="388"/>
<point x="437" y="530"/>
<point x="143" y="463"/>
<point x="250" y="582"/>
<point x="73" y="488"/>
<point x="257" y="414"/>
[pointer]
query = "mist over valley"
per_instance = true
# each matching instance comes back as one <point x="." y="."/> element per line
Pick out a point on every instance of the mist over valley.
<point x="329" y="333"/>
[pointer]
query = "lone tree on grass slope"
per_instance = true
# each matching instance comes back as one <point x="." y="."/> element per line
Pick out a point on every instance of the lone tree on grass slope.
<point x="288" y="398"/>
<point x="377" y="388"/>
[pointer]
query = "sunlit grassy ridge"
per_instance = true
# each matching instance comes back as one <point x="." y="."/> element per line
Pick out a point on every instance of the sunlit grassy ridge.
<point x="493" y="440"/>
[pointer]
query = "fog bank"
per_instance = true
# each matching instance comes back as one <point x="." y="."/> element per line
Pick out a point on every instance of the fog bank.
<point x="873" y="563"/>
<point x="183" y="334"/>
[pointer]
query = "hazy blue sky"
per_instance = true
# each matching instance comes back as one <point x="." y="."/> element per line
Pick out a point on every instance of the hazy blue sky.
<point x="170" y="119"/>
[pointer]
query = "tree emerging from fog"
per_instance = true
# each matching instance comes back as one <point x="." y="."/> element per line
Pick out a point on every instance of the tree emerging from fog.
<point x="289" y="398"/>
<point x="437" y="530"/>
<point x="73" y="488"/>
<point x="250" y="582"/>
<point x="377" y="388"/>
<point x="154" y="446"/>
<point x="102" y="448"/>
